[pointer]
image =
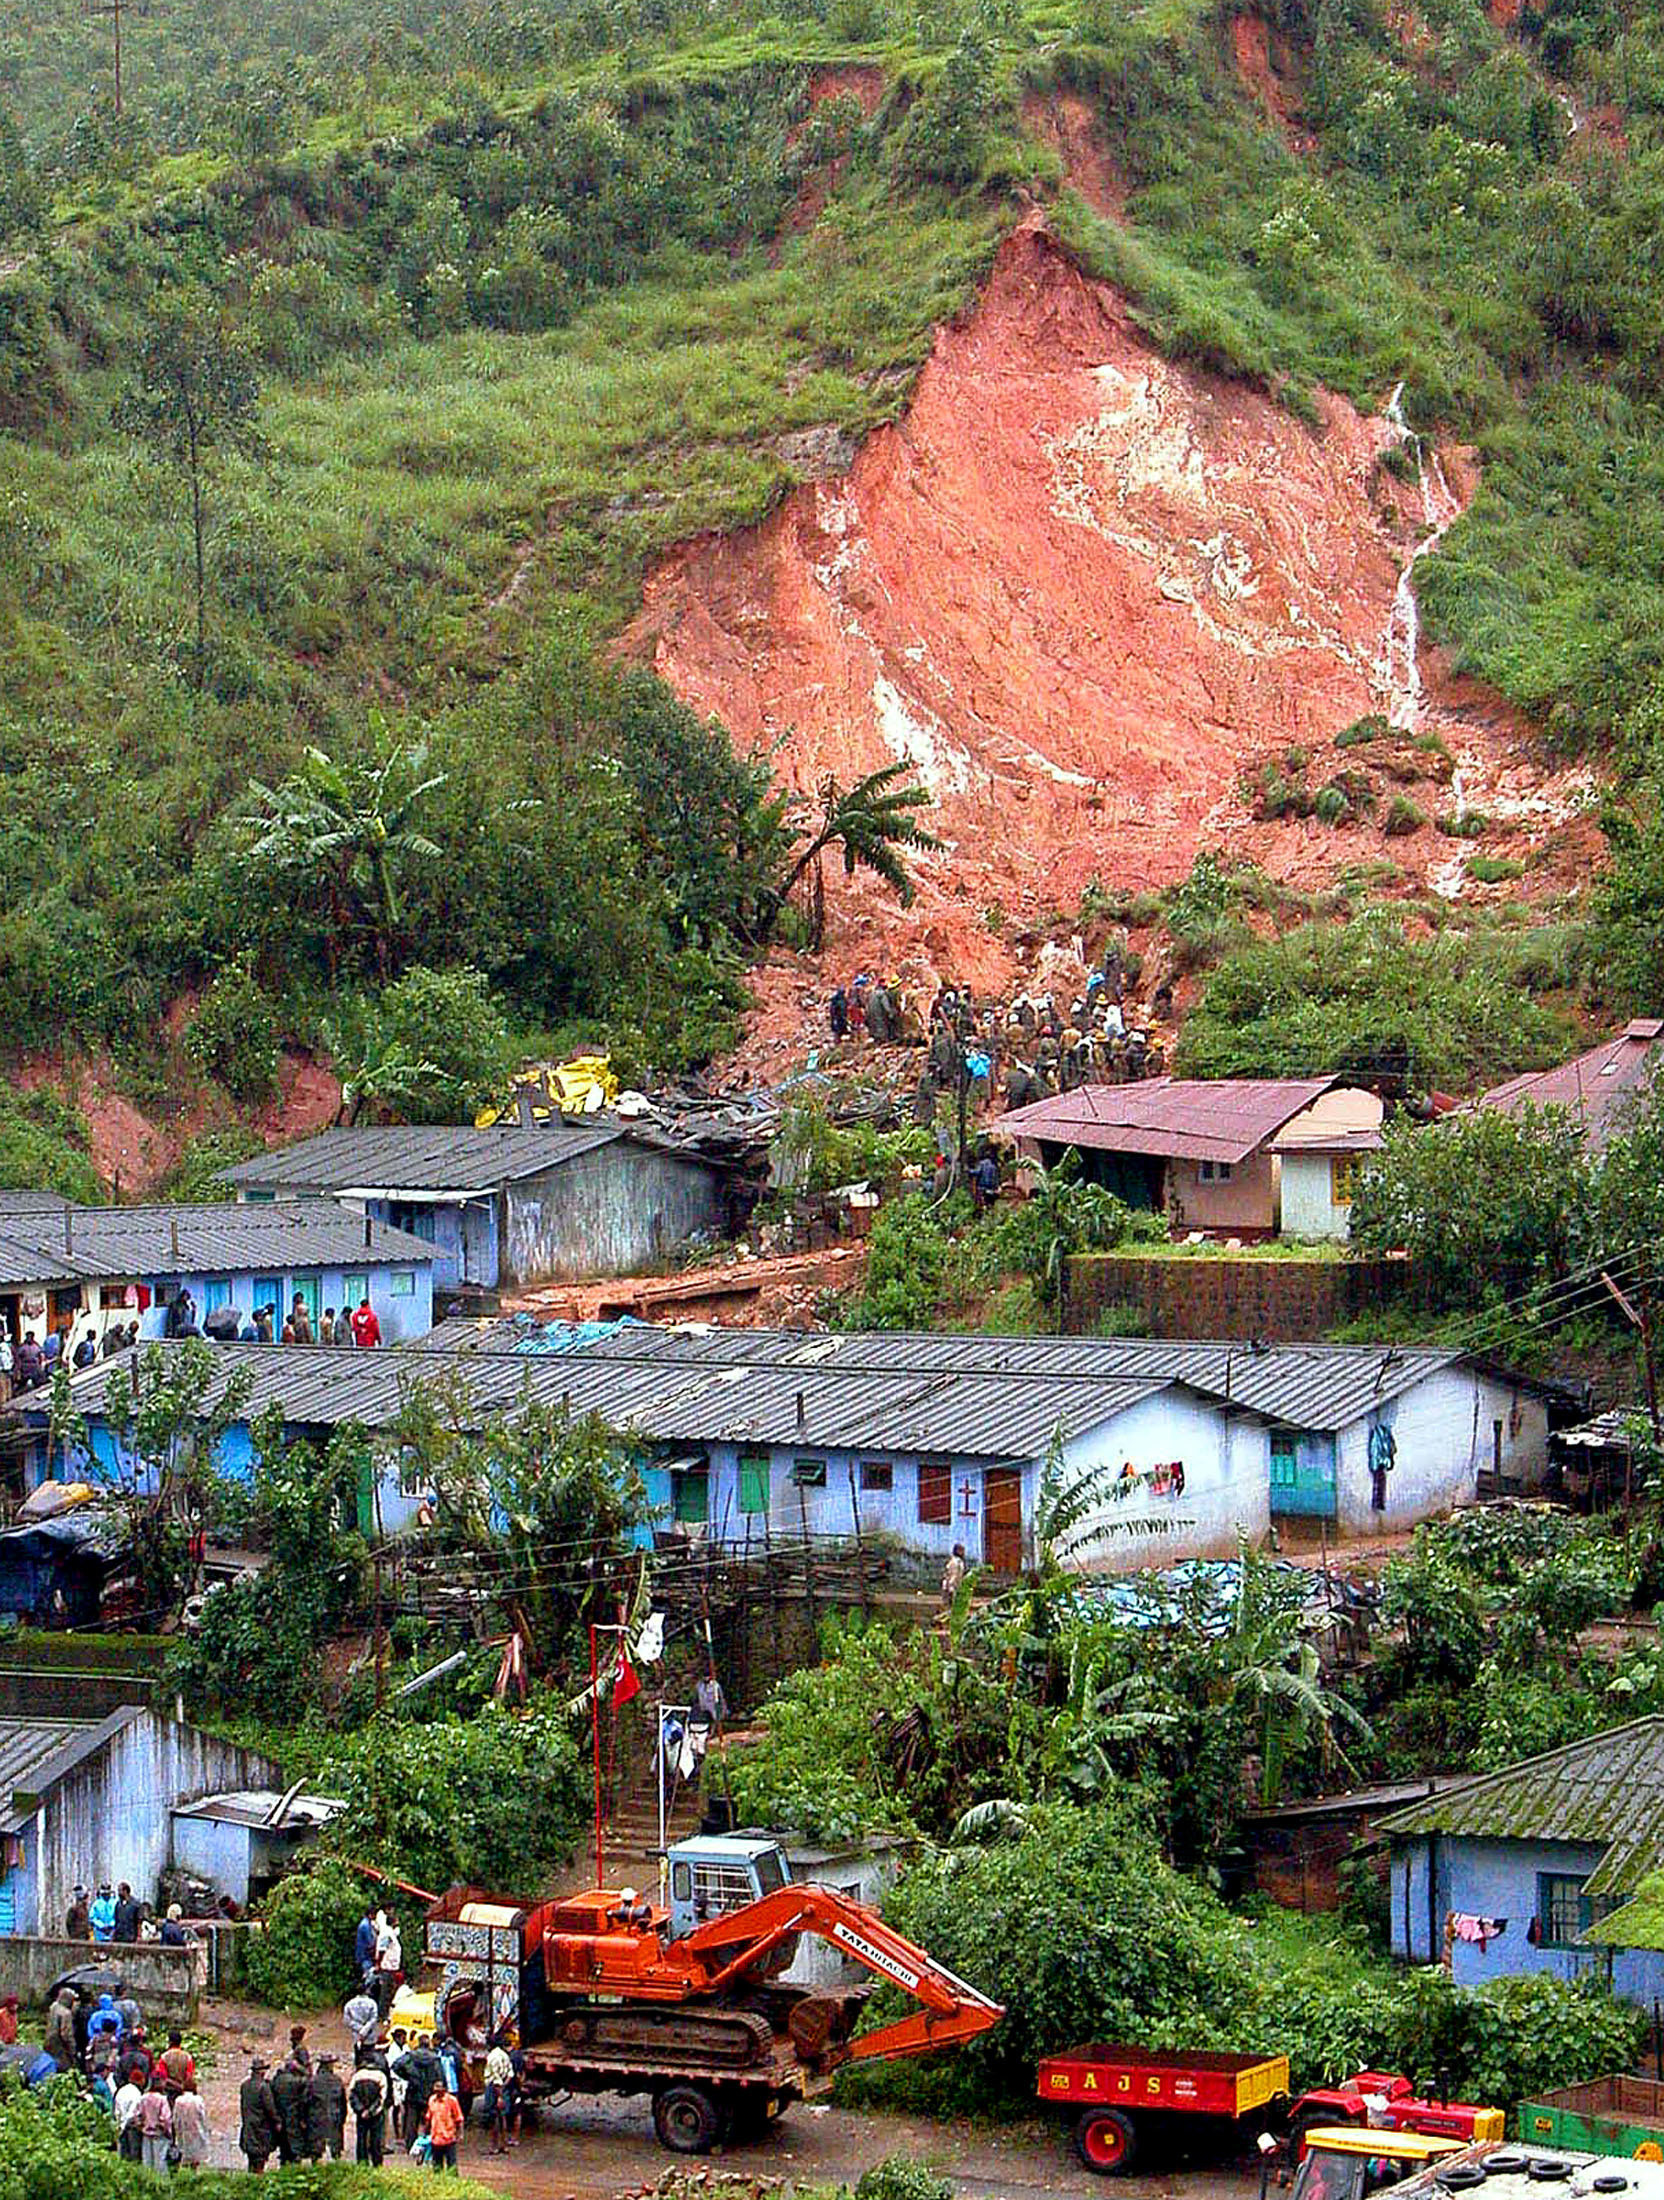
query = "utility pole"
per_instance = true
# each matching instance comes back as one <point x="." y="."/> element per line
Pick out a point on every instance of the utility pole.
<point x="379" y="1641"/>
<point x="114" y="9"/>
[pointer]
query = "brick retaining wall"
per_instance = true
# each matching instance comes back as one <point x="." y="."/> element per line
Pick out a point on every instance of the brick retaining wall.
<point x="1280" y="1301"/>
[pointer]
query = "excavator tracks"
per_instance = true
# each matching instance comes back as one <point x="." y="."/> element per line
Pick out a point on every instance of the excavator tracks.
<point x="714" y="2040"/>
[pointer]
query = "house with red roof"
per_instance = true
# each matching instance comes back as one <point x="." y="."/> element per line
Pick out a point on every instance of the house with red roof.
<point x="1597" y="1088"/>
<point x="1247" y="1157"/>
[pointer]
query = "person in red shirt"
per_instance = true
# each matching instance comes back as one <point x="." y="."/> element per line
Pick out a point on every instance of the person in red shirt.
<point x="366" y="1330"/>
<point x="444" y="2122"/>
<point x="8" y="2021"/>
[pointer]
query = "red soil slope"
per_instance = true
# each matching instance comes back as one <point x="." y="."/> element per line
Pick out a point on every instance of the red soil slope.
<point x="1085" y="592"/>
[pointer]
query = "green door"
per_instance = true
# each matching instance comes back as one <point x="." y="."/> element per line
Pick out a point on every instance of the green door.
<point x="690" y="1491"/>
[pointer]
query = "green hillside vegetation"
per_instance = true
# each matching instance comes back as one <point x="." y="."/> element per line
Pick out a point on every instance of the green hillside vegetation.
<point x="514" y="298"/>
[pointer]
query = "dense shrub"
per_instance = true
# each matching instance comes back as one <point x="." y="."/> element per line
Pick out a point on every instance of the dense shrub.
<point x="302" y="1957"/>
<point x="233" y="1035"/>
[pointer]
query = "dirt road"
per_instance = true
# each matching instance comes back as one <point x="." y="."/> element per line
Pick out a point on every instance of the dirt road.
<point x="596" y="2149"/>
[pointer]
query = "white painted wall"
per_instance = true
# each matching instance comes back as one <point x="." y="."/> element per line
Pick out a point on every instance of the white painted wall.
<point x="1308" y="1206"/>
<point x="1445" y="1431"/>
<point x="1227" y="1482"/>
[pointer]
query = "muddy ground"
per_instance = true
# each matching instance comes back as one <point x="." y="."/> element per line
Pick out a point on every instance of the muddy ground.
<point x="594" y="2149"/>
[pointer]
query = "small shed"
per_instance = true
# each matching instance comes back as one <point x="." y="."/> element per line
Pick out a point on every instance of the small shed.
<point x="85" y="1800"/>
<point x="510" y="1204"/>
<point x="53" y="1572"/>
<point x="1519" y="1869"/>
<point x="865" y="1871"/>
<point x="241" y="1841"/>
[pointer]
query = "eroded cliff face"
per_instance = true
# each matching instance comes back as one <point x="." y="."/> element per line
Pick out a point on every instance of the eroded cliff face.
<point x="1087" y="593"/>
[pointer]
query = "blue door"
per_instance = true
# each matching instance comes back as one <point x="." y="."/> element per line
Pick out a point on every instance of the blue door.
<point x="8" y="1904"/>
<point x="1302" y="1476"/>
<point x="216" y="1292"/>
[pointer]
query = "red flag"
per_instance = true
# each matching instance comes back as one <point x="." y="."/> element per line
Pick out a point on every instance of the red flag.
<point x="626" y="1682"/>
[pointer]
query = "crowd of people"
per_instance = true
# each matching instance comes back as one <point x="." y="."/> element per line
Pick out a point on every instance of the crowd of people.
<point x="406" y="2090"/>
<point x="150" y="2094"/>
<point x="32" y="1361"/>
<point x="1026" y="1048"/>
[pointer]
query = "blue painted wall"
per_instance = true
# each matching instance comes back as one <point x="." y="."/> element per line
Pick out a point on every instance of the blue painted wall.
<point x="464" y="1238"/>
<point x="1500" y="1879"/>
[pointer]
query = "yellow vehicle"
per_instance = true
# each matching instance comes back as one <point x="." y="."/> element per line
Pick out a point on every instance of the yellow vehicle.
<point x="412" y="2009"/>
<point x="1350" y="2161"/>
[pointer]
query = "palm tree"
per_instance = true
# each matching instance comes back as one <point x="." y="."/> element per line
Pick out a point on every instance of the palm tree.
<point x="375" y="1070"/>
<point x="870" y="823"/>
<point x="351" y="828"/>
<point x="1272" y="1667"/>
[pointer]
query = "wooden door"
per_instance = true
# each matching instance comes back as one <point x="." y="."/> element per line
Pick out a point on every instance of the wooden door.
<point x="1002" y="1519"/>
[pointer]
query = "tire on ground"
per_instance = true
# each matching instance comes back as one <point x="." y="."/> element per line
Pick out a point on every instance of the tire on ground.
<point x="1106" y="2141"/>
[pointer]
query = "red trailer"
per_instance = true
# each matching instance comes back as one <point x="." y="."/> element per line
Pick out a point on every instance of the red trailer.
<point x="1124" y="2097"/>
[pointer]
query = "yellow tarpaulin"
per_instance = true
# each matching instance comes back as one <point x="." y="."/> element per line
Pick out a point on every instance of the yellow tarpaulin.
<point x="581" y="1086"/>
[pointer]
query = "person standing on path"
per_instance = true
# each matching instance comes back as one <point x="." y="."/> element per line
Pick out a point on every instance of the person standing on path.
<point x="499" y="2084"/>
<point x="326" y="2112"/>
<point x="190" y="2129"/>
<point x="129" y="1916"/>
<point x="260" y="2126"/>
<point x="128" y="2101"/>
<point x="444" y="2128"/>
<point x="367" y="2098"/>
<point x="155" y="2122"/>
<point x="60" y="2029"/>
<point x="362" y="2018"/>
<point x="389" y="1964"/>
<point x="289" y="2092"/>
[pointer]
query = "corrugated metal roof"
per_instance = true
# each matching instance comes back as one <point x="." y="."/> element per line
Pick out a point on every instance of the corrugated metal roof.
<point x="17" y="1199"/>
<point x="1312" y="1386"/>
<point x="973" y="1396"/>
<point x="36" y="1753"/>
<point x="1596" y="1086"/>
<point x="1606" y="1791"/>
<point x="665" y="1401"/>
<point x="90" y="1244"/>
<point x="423" y="1157"/>
<point x="1195" y="1119"/>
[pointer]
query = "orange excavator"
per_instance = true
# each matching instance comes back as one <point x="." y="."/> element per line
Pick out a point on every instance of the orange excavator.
<point x="693" y="2003"/>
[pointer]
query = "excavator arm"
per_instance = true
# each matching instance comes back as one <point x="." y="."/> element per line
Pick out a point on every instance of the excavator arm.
<point x="726" y="1947"/>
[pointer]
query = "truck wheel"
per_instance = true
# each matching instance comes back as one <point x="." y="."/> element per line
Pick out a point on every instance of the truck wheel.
<point x="1304" y="2124"/>
<point x="1106" y="2141"/>
<point x="686" y="2119"/>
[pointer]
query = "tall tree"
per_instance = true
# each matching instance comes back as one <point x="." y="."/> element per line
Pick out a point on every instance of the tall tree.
<point x="166" y="1413"/>
<point x="192" y="397"/>
<point x="871" y="825"/>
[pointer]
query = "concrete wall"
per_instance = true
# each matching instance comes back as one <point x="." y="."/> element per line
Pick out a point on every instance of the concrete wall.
<point x="1225" y="1489"/>
<point x="1214" y="1295"/>
<point x="1308" y="1201"/>
<point x="166" y="1982"/>
<point x="1445" y="1436"/>
<point x="111" y="1818"/>
<point x="1226" y="1484"/>
<point x="1245" y="1200"/>
<point x="1499" y="1879"/>
<point x="606" y="1211"/>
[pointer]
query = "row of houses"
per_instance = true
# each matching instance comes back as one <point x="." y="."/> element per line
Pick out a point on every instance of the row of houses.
<point x="391" y="1216"/>
<point x="929" y="1440"/>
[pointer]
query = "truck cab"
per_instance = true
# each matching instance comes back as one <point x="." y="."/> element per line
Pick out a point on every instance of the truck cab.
<point x="712" y="1874"/>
